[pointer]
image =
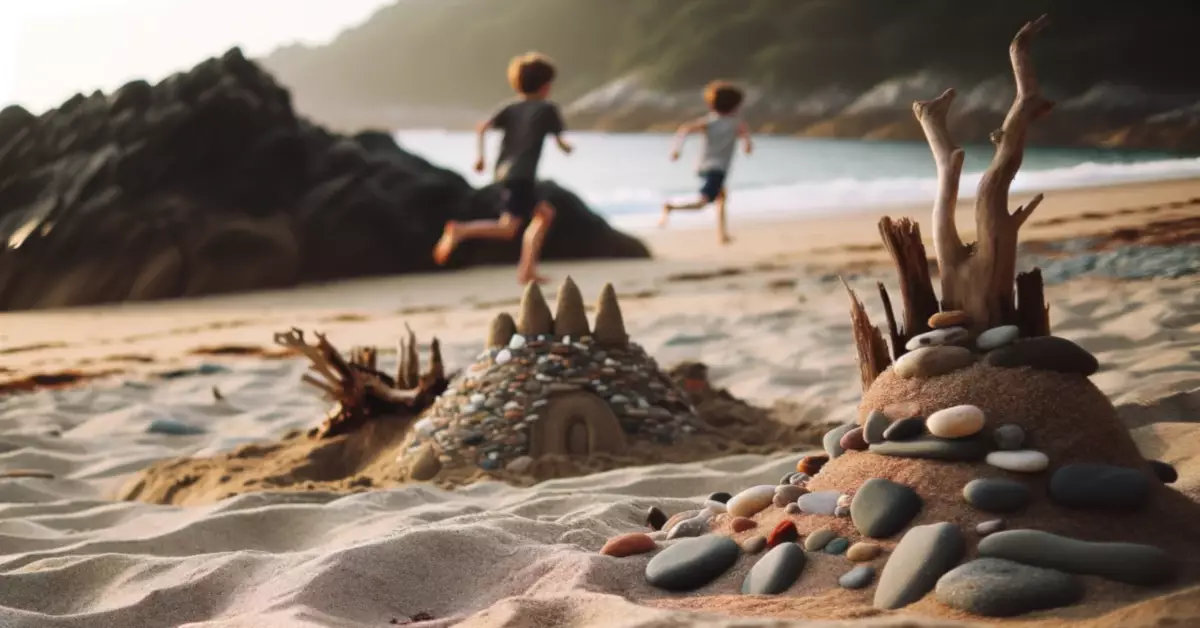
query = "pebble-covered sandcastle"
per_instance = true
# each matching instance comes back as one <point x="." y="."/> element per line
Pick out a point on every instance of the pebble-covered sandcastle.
<point x="551" y="384"/>
<point x="985" y="473"/>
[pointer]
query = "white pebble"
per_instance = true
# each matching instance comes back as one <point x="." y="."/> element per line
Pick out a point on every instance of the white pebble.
<point x="477" y="399"/>
<point x="997" y="337"/>
<point x="751" y="501"/>
<point x="955" y="422"/>
<point x="504" y="356"/>
<point x="516" y="342"/>
<point x="715" y="506"/>
<point x="1021" y="461"/>
<point x="945" y="336"/>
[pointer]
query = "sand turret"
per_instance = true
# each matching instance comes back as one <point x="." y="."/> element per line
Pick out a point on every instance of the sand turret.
<point x="610" y="325"/>
<point x="501" y="331"/>
<point x="534" y="318"/>
<point x="570" y="317"/>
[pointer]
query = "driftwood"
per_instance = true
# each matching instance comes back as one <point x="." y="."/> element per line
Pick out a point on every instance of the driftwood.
<point x="360" y="391"/>
<point x="979" y="277"/>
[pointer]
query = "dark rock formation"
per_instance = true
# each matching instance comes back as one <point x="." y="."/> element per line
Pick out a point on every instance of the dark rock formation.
<point x="209" y="182"/>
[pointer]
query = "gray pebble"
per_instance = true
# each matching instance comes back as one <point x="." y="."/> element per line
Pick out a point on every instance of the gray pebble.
<point x="1009" y="436"/>
<point x="923" y="554"/>
<point x="993" y="587"/>
<point x="857" y="578"/>
<point x="876" y="424"/>
<point x="1132" y="563"/>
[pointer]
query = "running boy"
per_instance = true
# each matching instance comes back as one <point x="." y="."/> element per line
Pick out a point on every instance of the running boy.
<point x="525" y="123"/>
<point x="722" y="127"/>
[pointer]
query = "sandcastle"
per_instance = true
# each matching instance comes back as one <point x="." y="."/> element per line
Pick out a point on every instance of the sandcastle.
<point x="985" y="473"/>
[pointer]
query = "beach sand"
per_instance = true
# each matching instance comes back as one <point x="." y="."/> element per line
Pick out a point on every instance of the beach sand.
<point x="763" y="314"/>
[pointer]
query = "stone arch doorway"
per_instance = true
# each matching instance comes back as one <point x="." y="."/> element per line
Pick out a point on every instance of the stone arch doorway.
<point x="576" y="424"/>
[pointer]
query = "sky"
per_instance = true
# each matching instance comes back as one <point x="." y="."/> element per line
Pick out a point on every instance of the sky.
<point x="50" y="49"/>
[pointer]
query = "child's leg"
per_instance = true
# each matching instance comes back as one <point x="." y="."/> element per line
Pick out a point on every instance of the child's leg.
<point x="713" y="180"/>
<point x="722" y="232"/>
<point x="456" y="232"/>
<point x="531" y="245"/>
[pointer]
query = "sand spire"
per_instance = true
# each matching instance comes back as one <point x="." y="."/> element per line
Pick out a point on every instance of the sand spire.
<point x="570" y="318"/>
<point x="610" y="325"/>
<point x="502" y="330"/>
<point x="534" y="318"/>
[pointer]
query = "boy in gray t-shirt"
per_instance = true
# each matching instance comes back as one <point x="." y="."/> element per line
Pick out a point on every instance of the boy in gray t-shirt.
<point x="722" y="128"/>
<point x="525" y="122"/>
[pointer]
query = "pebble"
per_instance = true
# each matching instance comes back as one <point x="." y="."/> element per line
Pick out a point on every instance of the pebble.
<point x="722" y="497"/>
<point x="811" y="465"/>
<point x="424" y="464"/>
<point x="993" y="587"/>
<point x="754" y="545"/>
<point x="923" y="554"/>
<point x="873" y="428"/>
<point x="833" y="438"/>
<point x="1045" y="353"/>
<point x="779" y="569"/>
<point x="905" y="429"/>
<point x="741" y="524"/>
<point x="951" y="318"/>
<point x="841" y="511"/>
<point x="784" y="532"/>
<point x="655" y="518"/>
<point x="504" y="356"/>
<point x="1008" y="436"/>
<point x="171" y="427"/>
<point x="1164" y="471"/>
<point x="751" y="501"/>
<point x="1020" y="461"/>
<point x="819" y="538"/>
<point x="628" y="545"/>
<point x="997" y="337"/>
<point x="792" y="508"/>
<point x="692" y="563"/>
<point x="786" y="494"/>
<point x="713" y="506"/>
<point x="929" y="362"/>
<point x="1131" y="563"/>
<point x="853" y="440"/>
<point x="937" y="338"/>
<point x="996" y="495"/>
<point x="679" y="517"/>
<point x="836" y="546"/>
<point x="819" y="503"/>
<point x="517" y="342"/>
<point x="955" y="422"/>
<point x="519" y="465"/>
<point x="801" y="480"/>
<point x="696" y="526"/>
<point x="882" y="508"/>
<point x="862" y="552"/>
<point x="857" y="578"/>
<point x="844" y="500"/>
<point x="933" y="448"/>
<point x="990" y="526"/>
<point x="1091" y="485"/>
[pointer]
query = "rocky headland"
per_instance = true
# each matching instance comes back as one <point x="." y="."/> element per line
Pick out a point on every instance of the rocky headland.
<point x="210" y="182"/>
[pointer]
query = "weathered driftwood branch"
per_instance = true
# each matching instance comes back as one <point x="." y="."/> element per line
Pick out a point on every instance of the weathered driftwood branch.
<point x="1033" y="314"/>
<point x="361" y="392"/>
<point x="979" y="278"/>
<point x="902" y="238"/>
<point x="872" y="349"/>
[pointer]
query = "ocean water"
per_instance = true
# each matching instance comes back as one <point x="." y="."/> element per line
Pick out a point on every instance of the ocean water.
<point x="626" y="177"/>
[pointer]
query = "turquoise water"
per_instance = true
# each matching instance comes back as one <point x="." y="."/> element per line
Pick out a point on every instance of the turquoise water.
<point x="626" y="177"/>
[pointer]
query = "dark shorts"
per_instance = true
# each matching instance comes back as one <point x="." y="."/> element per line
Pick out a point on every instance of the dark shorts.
<point x="518" y="197"/>
<point x="713" y="184"/>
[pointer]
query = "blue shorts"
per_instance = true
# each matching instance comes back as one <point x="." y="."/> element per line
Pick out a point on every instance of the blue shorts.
<point x="714" y="184"/>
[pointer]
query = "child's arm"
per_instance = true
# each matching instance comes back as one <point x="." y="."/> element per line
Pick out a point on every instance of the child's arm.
<point x="557" y="127"/>
<point x="685" y="130"/>
<point x="480" y="149"/>
<point x="744" y="133"/>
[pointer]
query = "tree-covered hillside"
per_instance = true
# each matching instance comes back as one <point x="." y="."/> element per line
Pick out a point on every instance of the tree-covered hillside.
<point x="453" y="52"/>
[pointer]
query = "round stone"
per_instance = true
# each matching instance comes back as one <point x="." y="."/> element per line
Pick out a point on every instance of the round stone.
<point x="714" y="507"/>
<point x="934" y="448"/>
<point x="811" y="465"/>
<point x="1102" y="486"/>
<point x="882" y="508"/>
<point x="996" y="495"/>
<point x="655" y="518"/>
<point x="784" y="532"/>
<point x="741" y="524"/>
<point x="836" y="546"/>
<point x="722" y="497"/>
<point x="876" y="424"/>
<point x="754" y="545"/>
<point x="952" y="318"/>
<point x="991" y="526"/>
<point x="997" y="337"/>
<point x="1045" y="353"/>
<point x="862" y="552"/>
<point x="833" y="438"/>
<point x="937" y="338"/>
<point x="786" y="494"/>
<point x="858" y="578"/>
<point x="692" y="563"/>
<point x="696" y="526"/>
<point x="792" y="508"/>
<point x="1008" y="436"/>
<point x="1164" y="471"/>
<point x="853" y="440"/>
<point x="1020" y="461"/>
<point x="905" y="429"/>
<point x="775" y="571"/>
<point x="628" y="545"/>
<point x="751" y="501"/>
<point x="927" y="362"/>
<point x="994" y="587"/>
<point x="955" y="422"/>
<point x="923" y="554"/>
<point x="819" y="538"/>
<point x="819" y="503"/>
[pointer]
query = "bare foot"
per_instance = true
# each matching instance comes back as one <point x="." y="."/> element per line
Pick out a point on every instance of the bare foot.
<point x="666" y="214"/>
<point x="445" y="246"/>
<point x="724" y="239"/>
<point x="526" y="277"/>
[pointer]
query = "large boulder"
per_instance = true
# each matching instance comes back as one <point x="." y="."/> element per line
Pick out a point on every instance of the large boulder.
<point x="209" y="182"/>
